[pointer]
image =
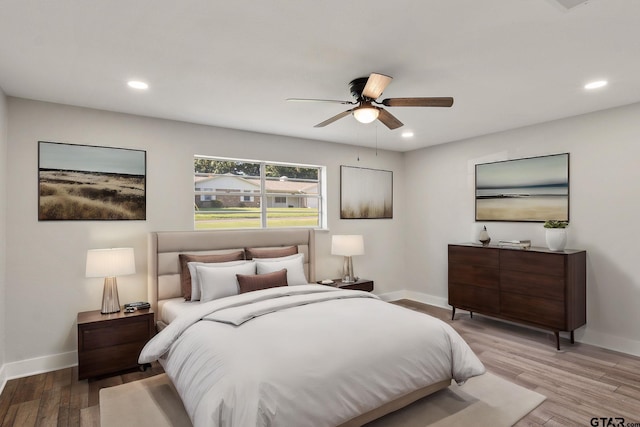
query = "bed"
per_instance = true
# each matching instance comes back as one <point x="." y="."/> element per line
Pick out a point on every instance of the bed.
<point x="301" y="355"/>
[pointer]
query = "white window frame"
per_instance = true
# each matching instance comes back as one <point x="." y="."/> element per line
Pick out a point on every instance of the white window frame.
<point x="263" y="194"/>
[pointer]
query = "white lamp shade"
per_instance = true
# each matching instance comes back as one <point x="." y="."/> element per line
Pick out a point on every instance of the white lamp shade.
<point x="365" y="114"/>
<point x="110" y="262"/>
<point x="347" y="245"/>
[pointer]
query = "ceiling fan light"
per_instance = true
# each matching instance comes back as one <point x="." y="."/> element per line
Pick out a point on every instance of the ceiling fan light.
<point x="365" y="114"/>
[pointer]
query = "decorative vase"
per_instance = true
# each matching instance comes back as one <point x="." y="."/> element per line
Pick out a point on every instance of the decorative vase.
<point x="556" y="238"/>
<point x="483" y="237"/>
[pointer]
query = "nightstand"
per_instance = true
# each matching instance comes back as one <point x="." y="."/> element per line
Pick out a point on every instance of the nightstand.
<point x="109" y="343"/>
<point x="360" y="285"/>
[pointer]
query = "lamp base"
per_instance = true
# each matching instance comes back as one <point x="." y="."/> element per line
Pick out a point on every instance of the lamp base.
<point x="110" y="301"/>
<point x="347" y="271"/>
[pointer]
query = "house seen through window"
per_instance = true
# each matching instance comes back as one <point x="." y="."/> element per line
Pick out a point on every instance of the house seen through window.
<point x="234" y="193"/>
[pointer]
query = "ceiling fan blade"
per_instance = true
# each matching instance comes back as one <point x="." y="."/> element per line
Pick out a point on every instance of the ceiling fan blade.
<point x="333" y="119"/>
<point x="376" y="84"/>
<point x="388" y="119"/>
<point x="333" y="101"/>
<point x="418" y="102"/>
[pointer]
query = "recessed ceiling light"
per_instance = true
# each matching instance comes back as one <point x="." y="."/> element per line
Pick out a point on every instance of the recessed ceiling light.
<point x="595" y="85"/>
<point x="136" y="84"/>
<point x="407" y="134"/>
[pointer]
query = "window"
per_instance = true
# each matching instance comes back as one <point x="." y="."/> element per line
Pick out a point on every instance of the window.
<point x="235" y="193"/>
<point x="207" y="196"/>
<point x="247" y="198"/>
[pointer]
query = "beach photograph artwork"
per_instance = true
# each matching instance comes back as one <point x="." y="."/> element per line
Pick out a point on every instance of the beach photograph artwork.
<point x="82" y="182"/>
<point x="531" y="189"/>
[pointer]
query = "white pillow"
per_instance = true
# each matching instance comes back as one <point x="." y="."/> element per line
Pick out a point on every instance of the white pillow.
<point x="219" y="282"/>
<point x="196" y="289"/>
<point x="293" y="263"/>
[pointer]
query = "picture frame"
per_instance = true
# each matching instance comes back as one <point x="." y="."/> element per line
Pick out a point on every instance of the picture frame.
<point x="533" y="189"/>
<point x="85" y="182"/>
<point x="365" y="193"/>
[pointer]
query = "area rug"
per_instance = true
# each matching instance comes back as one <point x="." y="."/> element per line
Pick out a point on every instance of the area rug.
<point x="487" y="400"/>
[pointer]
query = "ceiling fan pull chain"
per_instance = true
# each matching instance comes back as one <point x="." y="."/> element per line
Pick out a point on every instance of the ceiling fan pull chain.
<point x="376" y="139"/>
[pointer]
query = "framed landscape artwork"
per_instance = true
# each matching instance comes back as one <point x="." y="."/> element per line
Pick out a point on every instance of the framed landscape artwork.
<point x="83" y="182"/>
<point x="533" y="189"/>
<point x="365" y="193"/>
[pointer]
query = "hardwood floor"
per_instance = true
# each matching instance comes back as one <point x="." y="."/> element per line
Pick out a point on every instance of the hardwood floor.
<point x="581" y="382"/>
<point x="58" y="398"/>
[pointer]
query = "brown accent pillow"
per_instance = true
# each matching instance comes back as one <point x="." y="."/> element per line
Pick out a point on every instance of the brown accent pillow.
<point x="255" y="282"/>
<point x="271" y="252"/>
<point x="185" y="276"/>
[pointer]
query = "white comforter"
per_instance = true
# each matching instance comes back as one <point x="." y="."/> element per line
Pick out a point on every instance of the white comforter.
<point x="303" y="356"/>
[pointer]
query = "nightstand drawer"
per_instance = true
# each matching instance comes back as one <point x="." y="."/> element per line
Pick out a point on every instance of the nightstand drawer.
<point x="103" y="335"/>
<point x="109" y="343"/>
<point x="98" y="362"/>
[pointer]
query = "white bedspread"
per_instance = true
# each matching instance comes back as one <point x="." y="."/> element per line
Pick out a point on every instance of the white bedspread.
<point x="303" y="356"/>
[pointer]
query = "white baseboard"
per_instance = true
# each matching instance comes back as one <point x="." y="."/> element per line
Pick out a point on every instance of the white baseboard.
<point x="3" y="378"/>
<point x="38" y="365"/>
<point x="416" y="296"/>
<point x="610" y="342"/>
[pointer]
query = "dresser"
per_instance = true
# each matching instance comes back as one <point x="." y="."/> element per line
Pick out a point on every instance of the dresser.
<point x="537" y="287"/>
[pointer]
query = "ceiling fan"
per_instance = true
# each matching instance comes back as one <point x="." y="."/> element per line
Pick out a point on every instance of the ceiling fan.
<point x="366" y="91"/>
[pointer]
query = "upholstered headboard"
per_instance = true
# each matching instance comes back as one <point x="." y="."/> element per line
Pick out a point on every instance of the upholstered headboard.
<point x="165" y="246"/>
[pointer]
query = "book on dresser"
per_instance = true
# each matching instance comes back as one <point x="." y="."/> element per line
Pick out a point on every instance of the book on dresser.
<point x="536" y="286"/>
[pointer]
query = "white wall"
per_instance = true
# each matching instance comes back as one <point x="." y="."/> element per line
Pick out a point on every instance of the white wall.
<point x="44" y="281"/>
<point x="45" y="260"/>
<point x="604" y="152"/>
<point x="3" y="229"/>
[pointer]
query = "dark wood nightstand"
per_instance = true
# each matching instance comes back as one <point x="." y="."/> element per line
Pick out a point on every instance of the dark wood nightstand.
<point x="109" y="343"/>
<point x="360" y="285"/>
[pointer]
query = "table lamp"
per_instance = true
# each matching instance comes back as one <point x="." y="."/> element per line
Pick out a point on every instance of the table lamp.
<point x="347" y="245"/>
<point x="109" y="263"/>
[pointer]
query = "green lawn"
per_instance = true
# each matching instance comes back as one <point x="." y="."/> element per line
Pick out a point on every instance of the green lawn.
<point x="212" y="218"/>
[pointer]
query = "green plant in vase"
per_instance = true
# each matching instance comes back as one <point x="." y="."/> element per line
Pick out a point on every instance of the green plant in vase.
<point x="555" y="234"/>
<point x="553" y="223"/>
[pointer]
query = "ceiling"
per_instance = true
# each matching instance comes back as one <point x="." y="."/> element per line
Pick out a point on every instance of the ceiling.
<point x="507" y="63"/>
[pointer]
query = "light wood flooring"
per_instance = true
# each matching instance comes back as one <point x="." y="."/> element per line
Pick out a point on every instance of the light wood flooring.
<point x="580" y="381"/>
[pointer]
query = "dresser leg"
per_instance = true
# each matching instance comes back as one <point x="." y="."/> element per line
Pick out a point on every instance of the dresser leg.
<point x="572" y="340"/>
<point x="453" y="313"/>
<point x="471" y="314"/>
<point x="557" y="334"/>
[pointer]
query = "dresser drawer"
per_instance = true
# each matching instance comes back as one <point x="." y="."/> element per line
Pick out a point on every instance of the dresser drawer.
<point x="533" y="262"/>
<point x="474" y="275"/>
<point x="485" y="257"/>
<point x="474" y="298"/>
<point x="538" y="285"/>
<point x="540" y="311"/>
<point x="102" y="335"/>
